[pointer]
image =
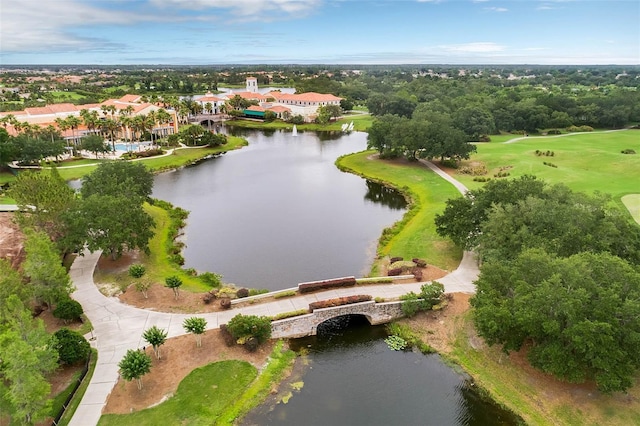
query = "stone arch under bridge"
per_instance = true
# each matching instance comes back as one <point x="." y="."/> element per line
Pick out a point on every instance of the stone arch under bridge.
<point x="307" y="325"/>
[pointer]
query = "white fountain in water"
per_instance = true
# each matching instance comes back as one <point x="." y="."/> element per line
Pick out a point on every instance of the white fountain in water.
<point x="295" y="130"/>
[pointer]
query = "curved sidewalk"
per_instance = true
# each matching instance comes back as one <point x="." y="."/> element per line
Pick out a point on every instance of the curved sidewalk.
<point x="119" y="327"/>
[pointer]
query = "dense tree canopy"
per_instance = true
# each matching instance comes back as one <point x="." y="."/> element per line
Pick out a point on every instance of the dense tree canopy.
<point x="507" y="216"/>
<point x="119" y="179"/>
<point x="114" y="224"/>
<point x="579" y="316"/>
<point x="42" y="197"/>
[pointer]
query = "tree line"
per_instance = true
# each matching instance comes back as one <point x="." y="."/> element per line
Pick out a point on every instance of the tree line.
<point x="560" y="276"/>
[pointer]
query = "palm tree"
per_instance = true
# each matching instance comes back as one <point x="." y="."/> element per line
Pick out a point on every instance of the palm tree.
<point x="91" y="119"/>
<point x="111" y="126"/>
<point x="163" y="117"/>
<point x="8" y="120"/>
<point x="73" y="123"/>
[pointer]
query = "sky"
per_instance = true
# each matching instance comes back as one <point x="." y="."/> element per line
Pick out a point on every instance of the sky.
<point x="201" y="32"/>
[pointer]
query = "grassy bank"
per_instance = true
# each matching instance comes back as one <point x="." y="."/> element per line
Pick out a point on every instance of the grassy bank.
<point x="218" y="393"/>
<point x="414" y="235"/>
<point x="536" y="397"/>
<point x="157" y="264"/>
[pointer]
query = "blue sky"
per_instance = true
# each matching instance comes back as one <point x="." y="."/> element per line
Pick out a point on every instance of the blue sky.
<point x="191" y="32"/>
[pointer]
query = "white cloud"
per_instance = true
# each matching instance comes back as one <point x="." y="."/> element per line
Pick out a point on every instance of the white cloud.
<point x="244" y="8"/>
<point x="496" y="9"/>
<point x="476" y="47"/>
<point x="48" y="25"/>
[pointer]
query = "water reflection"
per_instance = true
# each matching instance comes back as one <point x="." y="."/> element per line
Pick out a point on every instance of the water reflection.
<point x="279" y="212"/>
<point x="353" y="378"/>
<point x="384" y="195"/>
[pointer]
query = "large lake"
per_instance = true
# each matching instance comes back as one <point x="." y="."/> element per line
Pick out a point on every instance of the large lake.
<point x="279" y="212"/>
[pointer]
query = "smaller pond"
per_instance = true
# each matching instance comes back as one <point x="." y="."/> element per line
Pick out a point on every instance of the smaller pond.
<point x="353" y="378"/>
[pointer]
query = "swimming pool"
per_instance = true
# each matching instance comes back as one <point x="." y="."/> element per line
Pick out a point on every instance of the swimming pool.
<point x="132" y="146"/>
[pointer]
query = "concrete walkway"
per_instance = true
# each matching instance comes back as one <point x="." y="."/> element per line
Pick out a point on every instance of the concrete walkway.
<point x="119" y="327"/>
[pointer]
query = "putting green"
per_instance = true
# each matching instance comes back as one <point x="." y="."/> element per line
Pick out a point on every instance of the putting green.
<point x="632" y="203"/>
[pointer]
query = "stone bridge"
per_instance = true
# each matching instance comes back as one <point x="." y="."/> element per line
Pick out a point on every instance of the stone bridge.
<point x="307" y="325"/>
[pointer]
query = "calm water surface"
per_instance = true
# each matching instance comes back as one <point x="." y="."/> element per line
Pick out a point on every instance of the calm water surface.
<point x="279" y="212"/>
<point x="353" y="378"/>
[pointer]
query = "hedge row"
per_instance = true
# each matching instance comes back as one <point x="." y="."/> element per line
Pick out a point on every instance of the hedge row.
<point x="339" y="301"/>
<point x="326" y="284"/>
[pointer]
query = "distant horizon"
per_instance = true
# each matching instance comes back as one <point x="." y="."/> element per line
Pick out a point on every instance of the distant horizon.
<point x="307" y="32"/>
<point x="291" y="64"/>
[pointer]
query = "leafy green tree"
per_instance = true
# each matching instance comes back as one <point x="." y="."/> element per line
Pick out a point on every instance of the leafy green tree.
<point x="137" y="270"/>
<point x="463" y="217"/>
<point x="8" y="151"/>
<point x="110" y="223"/>
<point x="382" y="135"/>
<point x="30" y="149"/>
<point x="561" y="222"/>
<point x="174" y="282"/>
<point x="27" y="356"/>
<point x="243" y="327"/>
<point x="143" y="285"/>
<point x="95" y="144"/>
<point x="119" y="179"/>
<point x="43" y="265"/>
<point x="134" y="365"/>
<point x="68" y="310"/>
<point x="475" y="122"/>
<point x="11" y="283"/>
<point x="43" y="197"/>
<point x="156" y="337"/>
<point x="71" y="346"/>
<point x="197" y="326"/>
<point x="579" y="316"/>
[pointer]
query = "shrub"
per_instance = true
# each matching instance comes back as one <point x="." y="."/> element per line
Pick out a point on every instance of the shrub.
<point x="484" y="138"/>
<point x="339" y="301"/>
<point x="290" y="314"/>
<point x="420" y="262"/>
<point x="211" y="279"/>
<point x="554" y="132"/>
<point x="394" y="272"/>
<point x="481" y="179"/>
<point x="323" y="285"/>
<point x="225" y="303"/>
<point x="137" y="270"/>
<point x="229" y="340"/>
<point x="396" y="259"/>
<point x="449" y="162"/>
<point x="244" y="327"/>
<point x="251" y="344"/>
<point x="473" y="170"/>
<point x="242" y="292"/>
<point x="208" y="298"/>
<point x="257" y="291"/>
<point x="285" y="294"/>
<point x="177" y="259"/>
<point x="379" y="299"/>
<point x="68" y="310"/>
<point x="628" y="151"/>
<point x="417" y="273"/>
<point x="411" y="304"/>
<point x="405" y="265"/>
<point x="550" y="164"/>
<point x="71" y="346"/>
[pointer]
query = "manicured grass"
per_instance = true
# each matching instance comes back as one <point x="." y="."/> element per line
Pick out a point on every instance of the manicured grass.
<point x="509" y="384"/>
<point x="414" y="235"/>
<point x="199" y="400"/>
<point x="279" y="362"/>
<point x="157" y="262"/>
<point x="61" y="96"/>
<point x="632" y="203"/>
<point x="179" y="158"/>
<point x="218" y="393"/>
<point x="586" y="162"/>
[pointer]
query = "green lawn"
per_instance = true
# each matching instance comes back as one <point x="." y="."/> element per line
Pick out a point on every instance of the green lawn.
<point x="585" y="162"/>
<point x="61" y="96"/>
<point x="216" y="394"/>
<point x="415" y="235"/>
<point x="199" y="400"/>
